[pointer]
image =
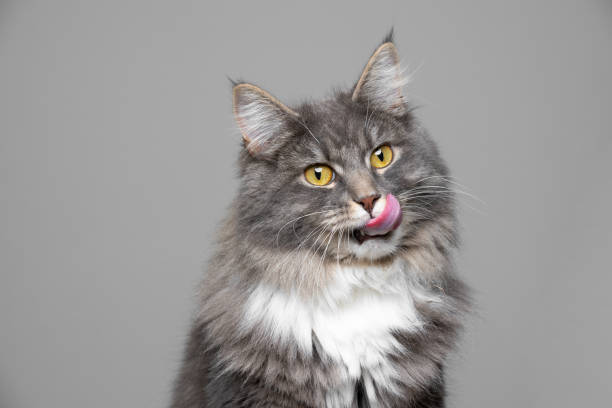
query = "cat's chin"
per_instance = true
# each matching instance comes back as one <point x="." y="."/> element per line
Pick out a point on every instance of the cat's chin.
<point x="373" y="247"/>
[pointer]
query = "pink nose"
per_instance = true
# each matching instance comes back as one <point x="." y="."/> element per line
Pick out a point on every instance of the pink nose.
<point x="368" y="202"/>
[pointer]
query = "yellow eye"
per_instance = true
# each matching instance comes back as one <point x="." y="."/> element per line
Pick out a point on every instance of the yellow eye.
<point x="319" y="175"/>
<point x="381" y="157"/>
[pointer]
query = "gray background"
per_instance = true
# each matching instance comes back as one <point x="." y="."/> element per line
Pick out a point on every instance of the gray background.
<point x="117" y="148"/>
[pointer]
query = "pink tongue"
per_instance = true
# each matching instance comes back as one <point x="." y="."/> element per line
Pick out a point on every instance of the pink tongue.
<point x="388" y="220"/>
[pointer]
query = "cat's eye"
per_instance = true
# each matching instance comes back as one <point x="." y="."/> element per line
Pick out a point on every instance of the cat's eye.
<point x="319" y="175"/>
<point x="381" y="157"/>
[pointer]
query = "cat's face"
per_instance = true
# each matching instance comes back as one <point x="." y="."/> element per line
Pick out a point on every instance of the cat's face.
<point x="352" y="177"/>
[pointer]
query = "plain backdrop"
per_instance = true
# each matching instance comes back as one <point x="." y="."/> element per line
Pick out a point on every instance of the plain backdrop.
<point x="117" y="153"/>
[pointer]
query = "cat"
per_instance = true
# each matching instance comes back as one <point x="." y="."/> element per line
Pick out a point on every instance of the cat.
<point x="333" y="283"/>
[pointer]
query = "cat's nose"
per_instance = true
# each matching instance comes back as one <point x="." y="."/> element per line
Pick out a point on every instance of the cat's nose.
<point x="368" y="202"/>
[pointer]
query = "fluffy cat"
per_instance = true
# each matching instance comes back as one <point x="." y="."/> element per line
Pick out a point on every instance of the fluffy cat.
<point x="333" y="282"/>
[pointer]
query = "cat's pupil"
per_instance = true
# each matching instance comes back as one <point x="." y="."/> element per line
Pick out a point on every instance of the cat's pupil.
<point x="318" y="173"/>
<point x="380" y="155"/>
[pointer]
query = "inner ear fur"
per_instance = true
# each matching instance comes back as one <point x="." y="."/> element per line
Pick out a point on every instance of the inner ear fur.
<point x="381" y="81"/>
<point x="261" y="117"/>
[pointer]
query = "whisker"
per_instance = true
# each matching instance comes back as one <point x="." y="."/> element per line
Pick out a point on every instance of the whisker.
<point x="301" y="275"/>
<point x="331" y="236"/>
<point x="308" y="129"/>
<point x="299" y="218"/>
<point x="453" y="180"/>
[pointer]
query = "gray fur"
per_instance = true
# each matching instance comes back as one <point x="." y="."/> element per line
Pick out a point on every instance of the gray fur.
<point x="230" y="364"/>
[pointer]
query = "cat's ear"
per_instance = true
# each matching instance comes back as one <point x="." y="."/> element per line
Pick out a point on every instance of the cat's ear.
<point x="381" y="82"/>
<point x="263" y="120"/>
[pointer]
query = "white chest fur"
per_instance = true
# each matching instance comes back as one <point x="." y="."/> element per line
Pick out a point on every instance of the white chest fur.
<point x="352" y="320"/>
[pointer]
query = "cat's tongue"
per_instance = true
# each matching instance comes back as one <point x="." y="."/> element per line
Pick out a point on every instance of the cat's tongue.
<point x="388" y="220"/>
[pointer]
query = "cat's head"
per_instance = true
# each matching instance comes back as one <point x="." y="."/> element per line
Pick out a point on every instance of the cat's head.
<point x="349" y="178"/>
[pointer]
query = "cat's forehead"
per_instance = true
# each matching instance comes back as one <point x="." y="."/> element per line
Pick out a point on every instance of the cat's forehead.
<point x="336" y="131"/>
<point x="334" y="123"/>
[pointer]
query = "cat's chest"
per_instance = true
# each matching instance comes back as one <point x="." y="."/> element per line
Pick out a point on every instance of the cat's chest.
<point x="350" y="325"/>
<point x="359" y="334"/>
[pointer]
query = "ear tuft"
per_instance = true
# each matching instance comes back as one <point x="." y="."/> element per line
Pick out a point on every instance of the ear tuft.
<point x="263" y="120"/>
<point x="389" y="37"/>
<point x="381" y="81"/>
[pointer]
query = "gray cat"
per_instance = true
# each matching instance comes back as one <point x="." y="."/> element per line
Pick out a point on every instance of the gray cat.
<point x="333" y="281"/>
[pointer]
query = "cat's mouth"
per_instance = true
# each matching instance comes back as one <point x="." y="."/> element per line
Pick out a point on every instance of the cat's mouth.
<point x="361" y="236"/>
<point x="382" y="226"/>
